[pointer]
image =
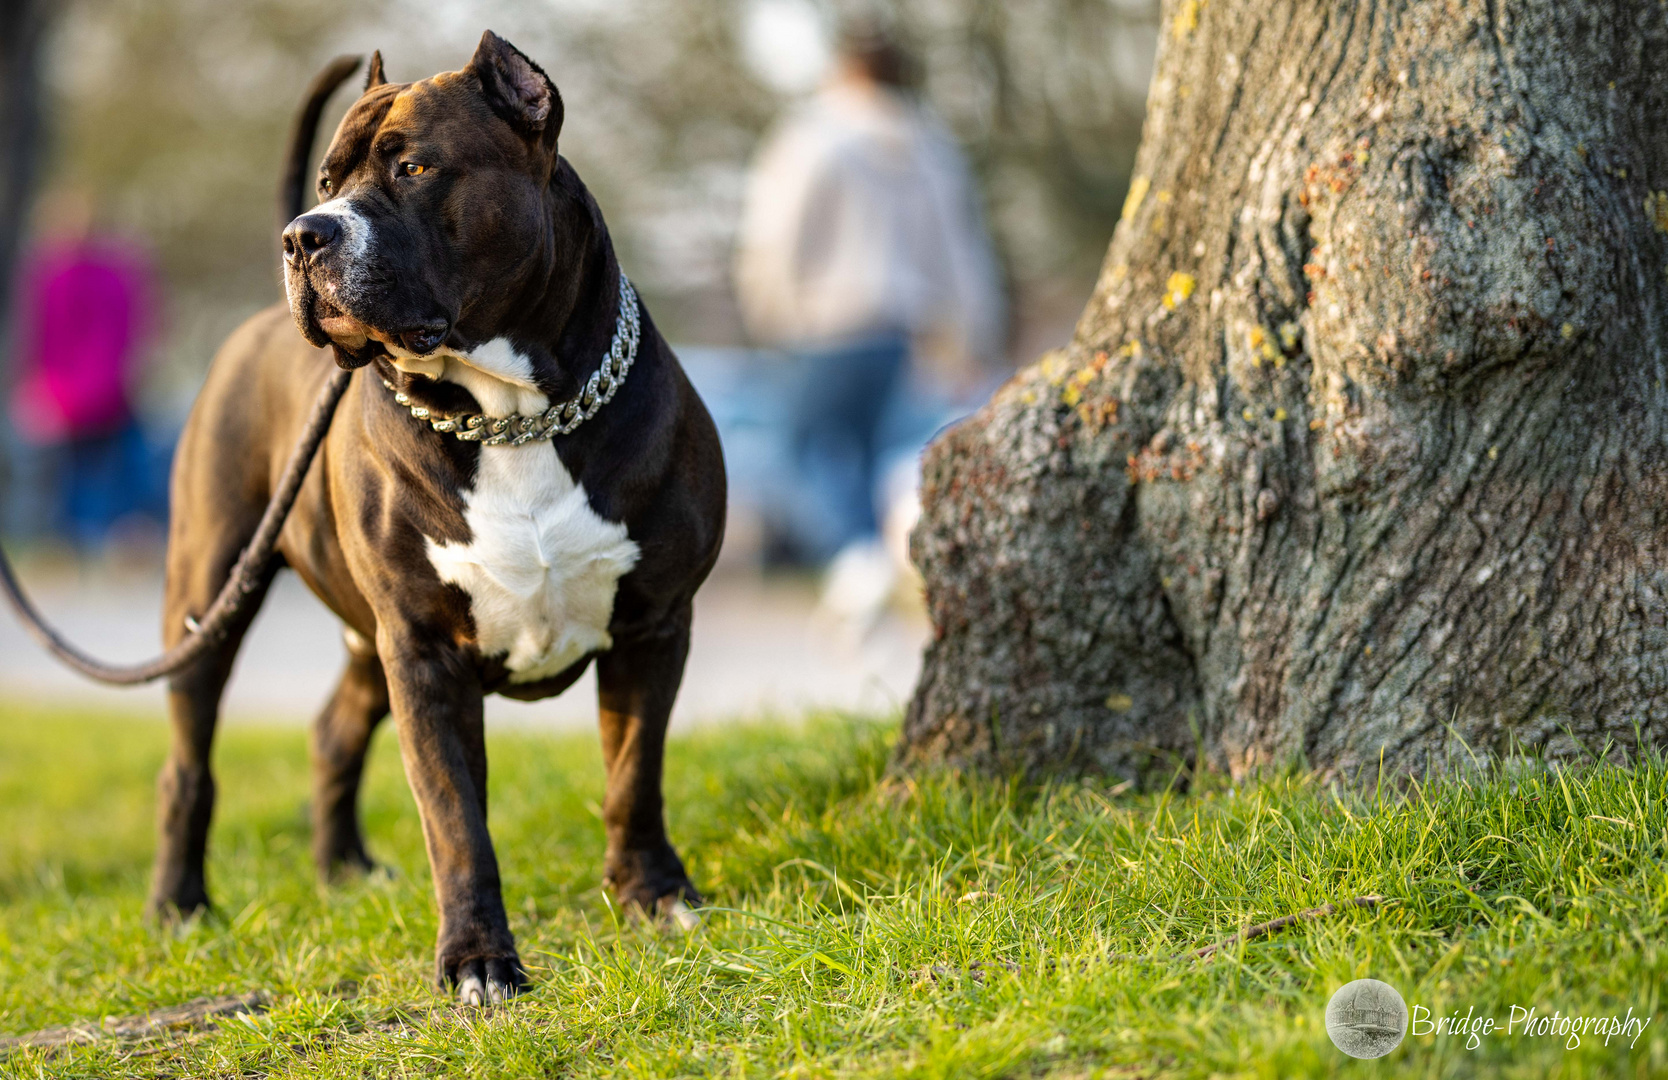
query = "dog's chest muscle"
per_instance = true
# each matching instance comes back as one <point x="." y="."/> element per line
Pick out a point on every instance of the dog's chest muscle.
<point x="541" y="568"/>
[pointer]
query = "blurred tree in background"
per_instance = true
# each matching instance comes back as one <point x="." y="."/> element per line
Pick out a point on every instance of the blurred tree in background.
<point x="21" y="25"/>
<point x="172" y="115"/>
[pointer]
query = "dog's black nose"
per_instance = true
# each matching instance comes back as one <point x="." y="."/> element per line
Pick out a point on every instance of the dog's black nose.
<point x="310" y="234"/>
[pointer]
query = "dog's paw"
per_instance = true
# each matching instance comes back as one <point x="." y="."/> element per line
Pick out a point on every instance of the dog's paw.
<point x="178" y="907"/>
<point x="653" y="885"/>
<point x="675" y="912"/>
<point x="485" y="980"/>
<point x="355" y="867"/>
<point x="339" y="855"/>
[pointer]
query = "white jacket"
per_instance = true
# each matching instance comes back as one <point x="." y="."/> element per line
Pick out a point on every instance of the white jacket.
<point x="860" y="217"/>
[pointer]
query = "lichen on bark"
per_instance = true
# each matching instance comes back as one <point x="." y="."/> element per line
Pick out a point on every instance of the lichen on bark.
<point x="1357" y="456"/>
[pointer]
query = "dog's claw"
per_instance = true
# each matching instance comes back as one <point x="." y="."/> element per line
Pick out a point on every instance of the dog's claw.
<point x="489" y="981"/>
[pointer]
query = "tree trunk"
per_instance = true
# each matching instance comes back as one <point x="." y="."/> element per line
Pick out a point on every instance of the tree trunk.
<point x="22" y="23"/>
<point x="1357" y="457"/>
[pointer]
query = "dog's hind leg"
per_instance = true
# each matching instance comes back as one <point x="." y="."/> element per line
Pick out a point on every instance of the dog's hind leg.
<point x="637" y="682"/>
<point x="341" y="735"/>
<point x="185" y="788"/>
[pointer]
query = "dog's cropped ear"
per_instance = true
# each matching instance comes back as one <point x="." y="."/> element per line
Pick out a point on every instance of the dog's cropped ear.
<point x="517" y="89"/>
<point x="373" y="74"/>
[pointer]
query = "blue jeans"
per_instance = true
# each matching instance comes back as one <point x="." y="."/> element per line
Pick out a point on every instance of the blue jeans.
<point x="77" y="489"/>
<point x="834" y="436"/>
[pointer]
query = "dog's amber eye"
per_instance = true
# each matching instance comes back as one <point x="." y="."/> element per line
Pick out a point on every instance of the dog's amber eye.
<point x="411" y="168"/>
<point x="326" y="185"/>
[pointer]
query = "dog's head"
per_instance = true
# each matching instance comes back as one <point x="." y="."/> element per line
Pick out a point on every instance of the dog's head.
<point x="435" y="209"/>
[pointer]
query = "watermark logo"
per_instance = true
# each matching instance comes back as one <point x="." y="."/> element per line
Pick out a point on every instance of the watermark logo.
<point x="1366" y="1018"/>
<point x="1529" y="1022"/>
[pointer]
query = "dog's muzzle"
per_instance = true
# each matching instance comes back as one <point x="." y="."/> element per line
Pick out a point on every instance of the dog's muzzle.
<point x="309" y="242"/>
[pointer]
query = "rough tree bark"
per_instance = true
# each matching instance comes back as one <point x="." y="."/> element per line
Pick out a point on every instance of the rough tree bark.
<point x="1358" y="453"/>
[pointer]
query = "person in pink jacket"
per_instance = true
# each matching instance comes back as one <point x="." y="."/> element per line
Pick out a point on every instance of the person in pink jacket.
<point x="82" y="320"/>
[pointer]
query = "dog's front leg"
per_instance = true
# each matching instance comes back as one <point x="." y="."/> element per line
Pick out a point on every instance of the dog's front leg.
<point x="637" y="682"/>
<point x="435" y="693"/>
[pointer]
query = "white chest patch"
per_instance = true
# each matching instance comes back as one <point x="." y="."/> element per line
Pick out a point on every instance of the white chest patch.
<point x="542" y="568"/>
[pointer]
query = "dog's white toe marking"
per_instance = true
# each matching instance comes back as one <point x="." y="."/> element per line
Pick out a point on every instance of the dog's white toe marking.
<point x="687" y="918"/>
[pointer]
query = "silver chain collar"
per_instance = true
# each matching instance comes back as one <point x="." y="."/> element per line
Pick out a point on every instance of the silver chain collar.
<point x="561" y="418"/>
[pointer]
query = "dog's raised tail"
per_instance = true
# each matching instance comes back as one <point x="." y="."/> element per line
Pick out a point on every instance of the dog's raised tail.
<point x="292" y="195"/>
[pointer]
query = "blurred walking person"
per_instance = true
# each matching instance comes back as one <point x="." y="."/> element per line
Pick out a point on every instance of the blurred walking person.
<point x="861" y="238"/>
<point x="81" y="324"/>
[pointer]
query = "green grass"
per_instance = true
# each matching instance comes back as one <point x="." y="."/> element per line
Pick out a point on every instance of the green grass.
<point x="943" y="926"/>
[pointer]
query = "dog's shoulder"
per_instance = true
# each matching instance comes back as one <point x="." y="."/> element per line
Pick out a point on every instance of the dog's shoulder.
<point x="266" y="339"/>
<point x="259" y="383"/>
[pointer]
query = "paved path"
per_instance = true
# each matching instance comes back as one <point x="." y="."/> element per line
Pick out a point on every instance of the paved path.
<point x="758" y="647"/>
